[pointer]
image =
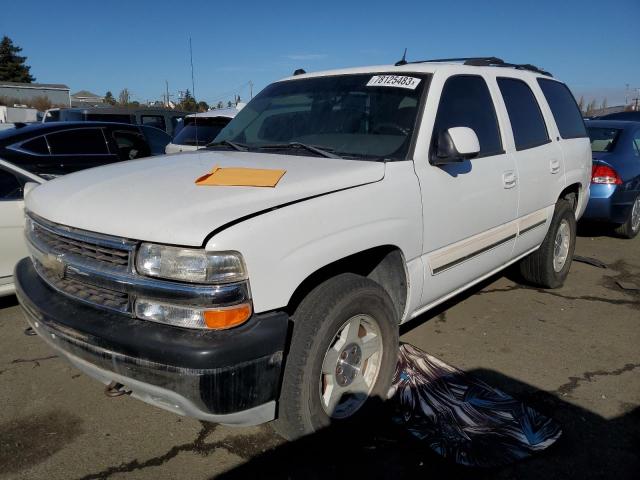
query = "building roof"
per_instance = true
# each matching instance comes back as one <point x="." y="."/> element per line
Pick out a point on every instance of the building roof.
<point x="85" y="93"/>
<point x="49" y="86"/>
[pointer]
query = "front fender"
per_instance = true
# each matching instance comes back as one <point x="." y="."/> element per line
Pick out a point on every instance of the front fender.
<point x="284" y="246"/>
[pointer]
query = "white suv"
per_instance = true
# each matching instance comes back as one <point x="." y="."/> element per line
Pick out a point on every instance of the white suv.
<point x="403" y="185"/>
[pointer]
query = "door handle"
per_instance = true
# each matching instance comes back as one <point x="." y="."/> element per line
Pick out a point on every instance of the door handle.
<point x="554" y="166"/>
<point x="509" y="179"/>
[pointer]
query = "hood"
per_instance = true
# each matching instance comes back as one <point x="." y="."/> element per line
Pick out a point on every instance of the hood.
<point x="156" y="199"/>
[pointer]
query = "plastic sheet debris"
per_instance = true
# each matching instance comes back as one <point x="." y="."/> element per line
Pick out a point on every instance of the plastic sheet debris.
<point x="461" y="417"/>
<point x="590" y="261"/>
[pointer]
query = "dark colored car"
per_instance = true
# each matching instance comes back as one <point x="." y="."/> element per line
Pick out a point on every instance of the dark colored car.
<point x="615" y="182"/>
<point x="162" y="118"/>
<point x="57" y="148"/>
<point x="627" y="116"/>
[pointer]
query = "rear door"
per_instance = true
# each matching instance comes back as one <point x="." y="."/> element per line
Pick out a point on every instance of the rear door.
<point x="469" y="207"/>
<point x="77" y="149"/>
<point x="538" y="160"/>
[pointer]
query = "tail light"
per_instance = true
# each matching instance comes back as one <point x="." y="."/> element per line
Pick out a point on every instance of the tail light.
<point x="605" y="174"/>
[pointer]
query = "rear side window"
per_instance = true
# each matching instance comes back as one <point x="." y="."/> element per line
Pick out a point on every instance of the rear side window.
<point x="527" y="123"/>
<point x="156" y="121"/>
<point x="130" y="145"/>
<point x="636" y="143"/>
<point x="37" y="146"/>
<point x="564" y="108"/>
<point x="85" y="141"/>
<point x="466" y="102"/>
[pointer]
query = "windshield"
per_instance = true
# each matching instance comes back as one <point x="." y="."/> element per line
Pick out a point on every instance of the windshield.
<point x="603" y="139"/>
<point x="200" y="131"/>
<point x="358" y="116"/>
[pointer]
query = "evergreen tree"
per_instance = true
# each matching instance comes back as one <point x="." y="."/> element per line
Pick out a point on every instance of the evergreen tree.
<point x="12" y="66"/>
<point x="108" y="98"/>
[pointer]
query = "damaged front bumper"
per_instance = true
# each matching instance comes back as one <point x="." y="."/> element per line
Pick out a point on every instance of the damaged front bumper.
<point x="230" y="376"/>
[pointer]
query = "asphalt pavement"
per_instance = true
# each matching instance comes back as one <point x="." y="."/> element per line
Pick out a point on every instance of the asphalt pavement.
<point x="572" y="353"/>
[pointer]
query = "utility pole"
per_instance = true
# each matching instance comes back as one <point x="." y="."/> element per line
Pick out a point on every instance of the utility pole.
<point x="166" y="86"/>
<point x="250" y="89"/>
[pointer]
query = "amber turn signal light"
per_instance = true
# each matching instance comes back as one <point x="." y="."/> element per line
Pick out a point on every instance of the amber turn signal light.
<point x="227" y="317"/>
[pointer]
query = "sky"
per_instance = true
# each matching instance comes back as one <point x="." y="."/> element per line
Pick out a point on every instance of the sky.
<point x="138" y="45"/>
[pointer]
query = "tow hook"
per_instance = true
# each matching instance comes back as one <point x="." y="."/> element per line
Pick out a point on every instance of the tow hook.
<point x="115" y="389"/>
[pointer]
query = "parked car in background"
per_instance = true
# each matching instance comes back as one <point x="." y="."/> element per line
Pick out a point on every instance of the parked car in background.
<point x="628" y="116"/>
<point x="615" y="179"/>
<point x="57" y="148"/>
<point x="199" y="129"/>
<point x="12" y="244"/>
<point x="164" y="119"/>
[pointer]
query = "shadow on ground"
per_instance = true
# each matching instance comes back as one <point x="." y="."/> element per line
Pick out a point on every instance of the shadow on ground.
<point x="590" y="447"/>
<point x="8" y="301"/>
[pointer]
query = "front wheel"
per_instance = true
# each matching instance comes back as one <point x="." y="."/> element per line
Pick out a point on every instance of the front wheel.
<point x="343" y="353"/>
<point x="549" y="266"/>
<point x="631" y="227"/>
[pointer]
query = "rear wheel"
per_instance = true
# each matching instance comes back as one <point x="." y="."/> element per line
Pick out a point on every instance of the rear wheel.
<point x="549" y="266"/>
<point x="343" y="353"/>
<point x="631" y="227"/>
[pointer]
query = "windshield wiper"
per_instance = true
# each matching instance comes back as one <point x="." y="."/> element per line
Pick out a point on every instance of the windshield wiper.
<point x="298" y="145"/>
<point x="228" y="143"/>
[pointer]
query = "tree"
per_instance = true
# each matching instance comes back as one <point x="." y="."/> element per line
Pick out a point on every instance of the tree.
<point x="219" y="105"/>
<point x="108" y="98"/>
<point x="603" y="105"/>
<point x="581" y="104"/>
<point x="203" y="106"/>
<point x="12" y="65"/>
<point x="188" y="103"/>
<point x="229" y="104"/>
<point x="591" y="106"/>
<point x="124" y="97"/>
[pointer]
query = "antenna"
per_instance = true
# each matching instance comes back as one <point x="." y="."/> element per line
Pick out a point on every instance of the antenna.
<point x="193" y="91"/>
<point x="403" y="60"/>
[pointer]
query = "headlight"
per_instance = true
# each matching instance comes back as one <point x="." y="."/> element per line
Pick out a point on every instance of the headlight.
<point x="190" y="264"/>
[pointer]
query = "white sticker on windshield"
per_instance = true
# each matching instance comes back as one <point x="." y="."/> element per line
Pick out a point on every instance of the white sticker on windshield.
<point x="399" y="81"/>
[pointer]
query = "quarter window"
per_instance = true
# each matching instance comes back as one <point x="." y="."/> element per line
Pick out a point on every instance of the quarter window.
<point x="79" y="141"/>
<point x="564" y="108"/>
<point x="527" y="123"/>
<point x="466" y="102"/>
<point x="37" y="146"/>
<point x="636" y="143"/>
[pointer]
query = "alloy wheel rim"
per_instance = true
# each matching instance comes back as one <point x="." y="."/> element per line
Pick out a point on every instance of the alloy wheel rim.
<point x="561" y="246"/>
<point x="635" y="215"/>
<point x="350" y="366"/>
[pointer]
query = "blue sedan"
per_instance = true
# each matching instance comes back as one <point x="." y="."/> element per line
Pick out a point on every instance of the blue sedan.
<point x="615" y="179"/>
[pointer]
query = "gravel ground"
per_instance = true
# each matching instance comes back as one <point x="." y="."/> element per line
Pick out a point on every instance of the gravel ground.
<point x="571" y="353"/>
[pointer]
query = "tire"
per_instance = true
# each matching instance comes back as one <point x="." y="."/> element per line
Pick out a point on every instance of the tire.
<point x="631" y="227"/>
<point x="538" y="268"/>
<point x="346" y="299"/>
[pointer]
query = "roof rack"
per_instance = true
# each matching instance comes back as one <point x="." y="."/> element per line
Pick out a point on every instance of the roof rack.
<point x="483" y="62"/>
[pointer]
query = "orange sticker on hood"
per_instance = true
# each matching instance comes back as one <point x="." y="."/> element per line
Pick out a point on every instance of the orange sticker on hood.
<point x="241" y="177"/>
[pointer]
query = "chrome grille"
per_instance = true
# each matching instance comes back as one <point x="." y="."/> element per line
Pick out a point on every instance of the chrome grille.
<point x="98" y="296"/>
<point x="83" y="248"/>
<point x="76" y="262"/>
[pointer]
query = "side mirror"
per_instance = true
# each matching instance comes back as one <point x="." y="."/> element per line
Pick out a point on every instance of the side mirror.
<point x="454" y="145"/>
<point x="28" y="187"/>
